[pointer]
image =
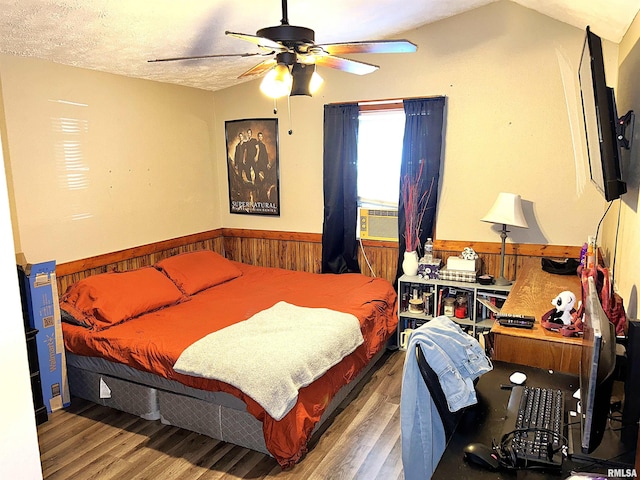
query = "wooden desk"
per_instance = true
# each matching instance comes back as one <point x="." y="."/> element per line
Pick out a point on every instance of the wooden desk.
<point x="531" y="294"/>
<point x="483" y="423"/>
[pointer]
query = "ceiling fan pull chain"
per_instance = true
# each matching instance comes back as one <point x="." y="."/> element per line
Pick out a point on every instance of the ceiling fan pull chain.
<point x="275" y="106"/>
<point x="289" y="111"/>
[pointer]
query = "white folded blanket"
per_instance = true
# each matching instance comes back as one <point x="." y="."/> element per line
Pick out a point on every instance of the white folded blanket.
<point x="274" y="353"/>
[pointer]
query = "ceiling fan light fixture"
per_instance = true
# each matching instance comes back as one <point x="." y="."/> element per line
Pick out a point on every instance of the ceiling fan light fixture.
<point x="294" y="48"/>
<point x="306" y="80"/>
<point x="277" y="82"/>
<point x="297" y="54"/>
<point x="316" y="82"/>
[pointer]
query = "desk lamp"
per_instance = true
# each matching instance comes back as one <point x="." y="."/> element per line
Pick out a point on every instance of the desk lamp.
<point x="507" y="210"/>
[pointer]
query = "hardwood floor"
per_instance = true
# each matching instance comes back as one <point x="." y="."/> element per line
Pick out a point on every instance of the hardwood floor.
<point x="88" y="441"/>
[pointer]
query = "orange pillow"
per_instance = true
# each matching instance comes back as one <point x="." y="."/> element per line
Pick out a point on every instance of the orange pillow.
<point x="193" y="272"/>
<point x="101" y="301"/>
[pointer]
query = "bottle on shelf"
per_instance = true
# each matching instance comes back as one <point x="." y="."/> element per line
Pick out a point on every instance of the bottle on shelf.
<point x="461" y="306"/>
<point x="428" y="251"/>
<point x="590" y="253"/>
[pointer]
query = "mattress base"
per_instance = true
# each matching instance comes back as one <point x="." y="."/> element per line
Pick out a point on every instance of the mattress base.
<point x="226" y="421"/>
<point x="122" y="395"/>
<point x="216" y="421"/>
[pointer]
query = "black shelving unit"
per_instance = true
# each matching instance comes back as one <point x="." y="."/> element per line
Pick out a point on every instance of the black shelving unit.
<point x="34" y="371"/>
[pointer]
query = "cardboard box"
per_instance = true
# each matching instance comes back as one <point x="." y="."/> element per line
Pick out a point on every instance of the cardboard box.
<point x="463" y="265"/>
<point x="38" y="285"/>
<point x="429" y="270"/>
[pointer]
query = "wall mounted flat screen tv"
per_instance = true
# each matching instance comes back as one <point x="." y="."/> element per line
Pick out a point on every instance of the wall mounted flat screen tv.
<point x="604" y="130"/>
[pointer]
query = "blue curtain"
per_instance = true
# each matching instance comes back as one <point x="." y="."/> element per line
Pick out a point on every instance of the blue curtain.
<point x="340" y="174"/>
<point x="422" y="142"/>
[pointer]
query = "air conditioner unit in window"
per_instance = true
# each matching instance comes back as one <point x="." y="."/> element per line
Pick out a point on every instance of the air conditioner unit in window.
<point x="378" y="224"/>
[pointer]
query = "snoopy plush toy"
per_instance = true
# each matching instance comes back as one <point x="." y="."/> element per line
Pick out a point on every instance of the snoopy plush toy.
<point x="563" y="303"/>
<point x="560" y="317"/>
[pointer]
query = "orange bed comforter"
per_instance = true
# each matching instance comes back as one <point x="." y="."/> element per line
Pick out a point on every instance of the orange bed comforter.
<point x="153" y="342"/>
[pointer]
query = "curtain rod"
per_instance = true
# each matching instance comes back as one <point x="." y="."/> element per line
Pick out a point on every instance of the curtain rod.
<point x="384" y="100"/>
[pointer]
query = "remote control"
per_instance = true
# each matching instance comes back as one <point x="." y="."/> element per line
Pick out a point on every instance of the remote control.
<point x="518" y="321"/>
<point x="512" y="322"/>
<point x="516" y="316"/>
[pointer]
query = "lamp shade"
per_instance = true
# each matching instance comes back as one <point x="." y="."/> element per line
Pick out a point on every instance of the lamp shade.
<point x="507" y="210"/>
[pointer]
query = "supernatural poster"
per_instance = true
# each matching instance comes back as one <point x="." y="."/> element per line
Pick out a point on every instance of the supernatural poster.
<point x="253" y="166"/>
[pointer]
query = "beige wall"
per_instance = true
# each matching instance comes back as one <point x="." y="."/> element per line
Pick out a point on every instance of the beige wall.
<point x="101" y="162"/>
<point x="509" y="125"/>
<point x="621" y="243"/>
<point x="150" y="158"/>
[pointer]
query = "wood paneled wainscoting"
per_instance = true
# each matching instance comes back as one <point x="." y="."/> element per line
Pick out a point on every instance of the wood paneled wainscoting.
<point x="298" y="251"/>
<point x="136" y="257"/>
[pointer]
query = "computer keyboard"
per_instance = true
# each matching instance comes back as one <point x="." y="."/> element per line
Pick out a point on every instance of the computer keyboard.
<point x="533" y="429"/>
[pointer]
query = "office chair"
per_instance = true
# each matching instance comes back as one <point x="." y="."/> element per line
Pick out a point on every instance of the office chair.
<point x="449" y="419"/>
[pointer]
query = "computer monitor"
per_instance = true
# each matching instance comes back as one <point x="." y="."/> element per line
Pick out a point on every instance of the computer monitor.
<point x="597" y="364"/>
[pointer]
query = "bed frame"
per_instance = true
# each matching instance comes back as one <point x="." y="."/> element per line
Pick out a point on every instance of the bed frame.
<point x="216" y="414"/>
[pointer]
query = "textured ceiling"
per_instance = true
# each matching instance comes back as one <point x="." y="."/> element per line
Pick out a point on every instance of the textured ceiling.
<point x="120" y="36"/>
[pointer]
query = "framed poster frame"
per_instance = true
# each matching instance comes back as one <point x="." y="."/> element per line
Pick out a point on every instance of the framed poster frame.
<point x="253" y="166"/>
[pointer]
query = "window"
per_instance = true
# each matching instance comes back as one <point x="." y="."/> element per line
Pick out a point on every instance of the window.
<point x="380" y="134"/>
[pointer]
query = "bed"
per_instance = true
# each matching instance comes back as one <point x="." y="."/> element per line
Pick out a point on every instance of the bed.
<point x="189" y="340"/>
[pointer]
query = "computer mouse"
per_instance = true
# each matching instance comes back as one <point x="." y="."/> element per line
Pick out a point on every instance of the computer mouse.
<point x="518" y="378"/>
<point x="482" y="455"/>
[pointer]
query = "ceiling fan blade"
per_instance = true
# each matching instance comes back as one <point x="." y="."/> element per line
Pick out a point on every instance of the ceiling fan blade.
<point x="350" y="66"/>
<point x="198" y="57"/>
<point x="259" y="41"/>
<point x="260" y="68"/>
<point x="375" y="46"/>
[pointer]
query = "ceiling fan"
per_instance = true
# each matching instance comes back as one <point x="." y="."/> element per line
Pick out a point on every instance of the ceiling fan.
<point x="294" y="47"/>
